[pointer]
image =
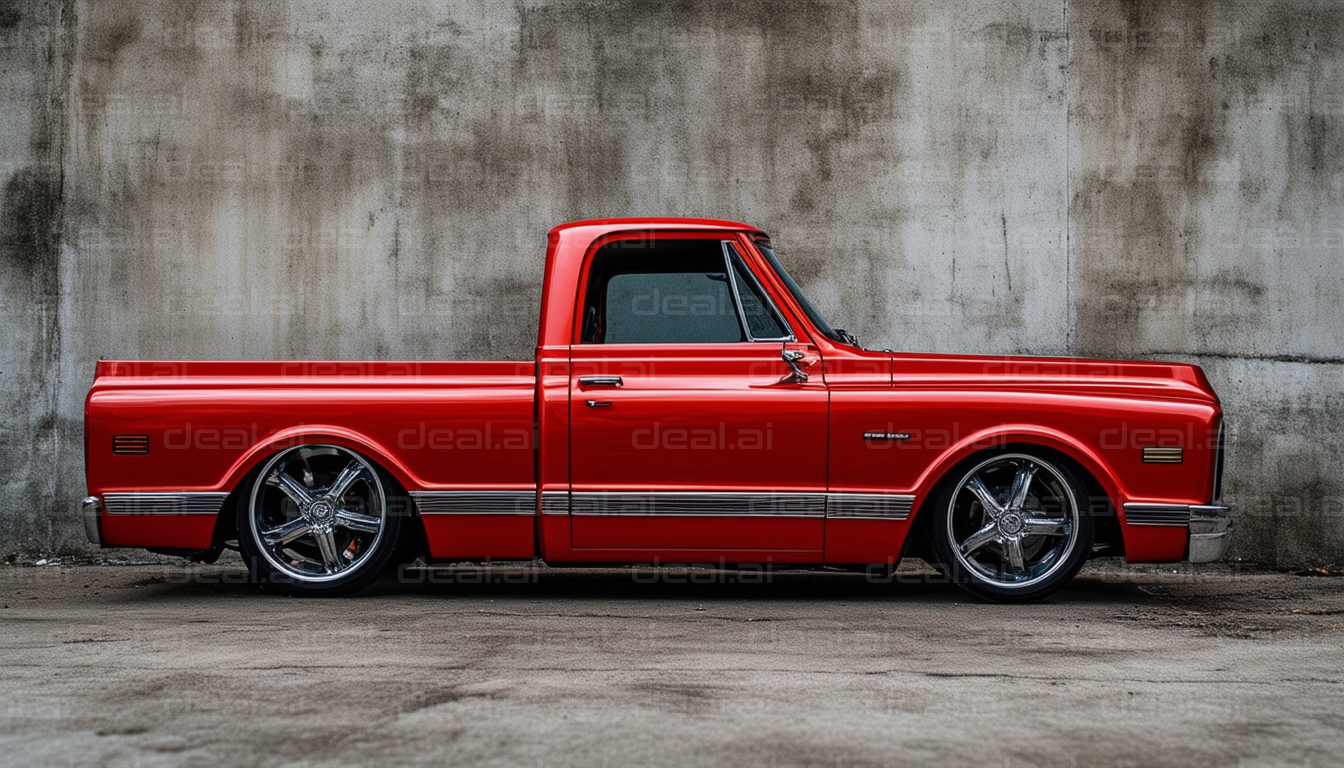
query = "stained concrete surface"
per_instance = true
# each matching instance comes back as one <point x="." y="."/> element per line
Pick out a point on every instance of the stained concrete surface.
<point x="355" y="180"/>
<point x="149" y="665"/>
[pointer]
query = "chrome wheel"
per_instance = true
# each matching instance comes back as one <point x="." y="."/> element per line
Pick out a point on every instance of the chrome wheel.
<point x="317" y="513"/>
<point x="1013" y="522"/>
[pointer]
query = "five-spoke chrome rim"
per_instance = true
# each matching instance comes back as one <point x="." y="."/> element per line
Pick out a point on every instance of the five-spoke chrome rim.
<point x="318" y="512"/>
<point x="1013" y="521"/>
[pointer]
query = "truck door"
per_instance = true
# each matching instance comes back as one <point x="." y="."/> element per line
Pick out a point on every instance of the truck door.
<point x="690" y="435"/>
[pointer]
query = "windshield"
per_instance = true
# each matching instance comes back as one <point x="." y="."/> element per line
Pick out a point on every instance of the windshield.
<point x="812" y="314"/>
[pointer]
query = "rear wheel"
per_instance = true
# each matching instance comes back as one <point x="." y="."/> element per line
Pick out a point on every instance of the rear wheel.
<point x="1014" y="527"/>
<point x="316" y="521"/>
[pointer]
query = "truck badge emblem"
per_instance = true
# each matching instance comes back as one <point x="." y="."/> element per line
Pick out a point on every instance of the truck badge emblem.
<point x="886" y="435"/>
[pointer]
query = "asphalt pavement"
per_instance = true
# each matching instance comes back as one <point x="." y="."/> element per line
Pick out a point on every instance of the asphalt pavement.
<point x="148" y="665"/>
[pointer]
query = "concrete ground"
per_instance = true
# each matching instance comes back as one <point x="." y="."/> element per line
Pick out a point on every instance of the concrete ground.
<point x="168" y="665"/>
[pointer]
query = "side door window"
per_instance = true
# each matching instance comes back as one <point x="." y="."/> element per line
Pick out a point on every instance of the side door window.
<point x="699" y="292"/>
<point x="669" y="307"/>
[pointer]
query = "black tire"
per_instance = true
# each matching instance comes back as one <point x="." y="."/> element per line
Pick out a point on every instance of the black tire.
<point x="300" y="534"/>
<point x="1009" y="544"/>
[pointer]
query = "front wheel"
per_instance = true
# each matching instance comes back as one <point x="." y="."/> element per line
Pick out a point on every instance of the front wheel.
<point x="1014" y="528"/>
<point x="316" y="521"/>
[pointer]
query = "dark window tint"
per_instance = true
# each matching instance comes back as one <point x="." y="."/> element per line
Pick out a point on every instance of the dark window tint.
<point x="671" y="292"/>
<point x="670" y="307"/>
<point x="756" y="308"/>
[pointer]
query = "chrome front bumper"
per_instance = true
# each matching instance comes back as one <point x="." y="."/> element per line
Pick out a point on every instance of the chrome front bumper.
<point x="89" y="509"/>
<point x="1210" y="531"/>
<point x="1209" y="525"/>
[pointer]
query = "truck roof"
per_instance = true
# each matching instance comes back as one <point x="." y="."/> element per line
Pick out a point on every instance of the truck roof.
<point x="566" y="245"/>
<point x="613" y="225"/>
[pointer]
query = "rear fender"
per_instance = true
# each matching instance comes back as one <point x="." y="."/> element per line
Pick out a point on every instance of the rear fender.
<point x="311" y="433"/>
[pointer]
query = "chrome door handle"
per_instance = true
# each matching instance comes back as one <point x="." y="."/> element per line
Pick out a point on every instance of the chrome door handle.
<point x="600" y="381"/>
<point x="598" y="403"/>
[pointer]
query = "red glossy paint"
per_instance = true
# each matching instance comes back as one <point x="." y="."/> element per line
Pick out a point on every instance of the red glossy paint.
<point x="471" y="537"/>
<point x="695" y="417"/>
<point x="688" y="418"/>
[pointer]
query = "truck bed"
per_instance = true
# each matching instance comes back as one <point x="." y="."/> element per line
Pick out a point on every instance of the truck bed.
<point x="196" y="426"/>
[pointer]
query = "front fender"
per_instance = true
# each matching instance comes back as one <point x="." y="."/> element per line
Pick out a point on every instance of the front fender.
<point x="1019" y="434"/>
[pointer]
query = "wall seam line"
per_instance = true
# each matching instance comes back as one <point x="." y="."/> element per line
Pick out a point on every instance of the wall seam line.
<point x="1069" y="314"/>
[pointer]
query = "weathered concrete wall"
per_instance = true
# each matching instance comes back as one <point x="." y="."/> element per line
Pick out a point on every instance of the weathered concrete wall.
<point x="1206" y="176"/>
<point x="351" y="180"/>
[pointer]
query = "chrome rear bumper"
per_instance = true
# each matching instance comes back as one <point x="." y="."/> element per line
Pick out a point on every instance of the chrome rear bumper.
<point x="1210" y="531"/>
<point x="89" y="509"/>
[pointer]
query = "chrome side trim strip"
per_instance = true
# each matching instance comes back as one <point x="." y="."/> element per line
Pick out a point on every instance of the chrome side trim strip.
<point x="164" y="503"/>
<point x="555" y="502"/>
<point x="698" y="504"/>
<point x="871" y="506"/>
<point x="878" y="506"/>
<point x="475" y="502"/>
<point x="1157" y="514"/>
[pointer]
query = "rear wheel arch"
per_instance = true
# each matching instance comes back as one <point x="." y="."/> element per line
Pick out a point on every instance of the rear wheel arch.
<point x="244" y="472"/>
<point x="395" y="543"/>
<point x="257" y="456"/>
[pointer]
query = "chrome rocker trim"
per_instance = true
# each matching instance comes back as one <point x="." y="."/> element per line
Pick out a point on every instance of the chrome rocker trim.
<point x="869" y="506"/>
<point x="475" y="502"/>
<point x="555" y="502"/>
<point x="697" y="504"/>
<point x="164" y="503"/>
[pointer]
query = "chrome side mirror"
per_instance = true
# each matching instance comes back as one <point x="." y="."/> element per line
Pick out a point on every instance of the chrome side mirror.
<point x="792" y="357"/>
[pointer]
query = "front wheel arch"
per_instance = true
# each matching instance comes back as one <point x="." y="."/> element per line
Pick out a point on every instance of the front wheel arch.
<point x="928" y="541"/>
<point x="1102" y="479"/>
<point x="1103" y="507"/>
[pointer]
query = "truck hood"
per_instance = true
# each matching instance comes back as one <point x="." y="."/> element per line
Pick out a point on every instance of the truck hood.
<point x="1116" y="377"/>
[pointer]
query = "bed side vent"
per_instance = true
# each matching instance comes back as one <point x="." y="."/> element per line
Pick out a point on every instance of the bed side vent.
<point x="130" y="445"/>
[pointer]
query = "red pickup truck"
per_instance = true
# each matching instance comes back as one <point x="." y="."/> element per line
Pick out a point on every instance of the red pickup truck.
<point x="686" y="404"/>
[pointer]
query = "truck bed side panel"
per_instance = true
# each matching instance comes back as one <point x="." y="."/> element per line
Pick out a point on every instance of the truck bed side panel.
<point x="440" y="437"/>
